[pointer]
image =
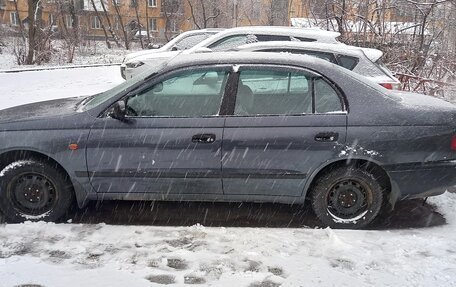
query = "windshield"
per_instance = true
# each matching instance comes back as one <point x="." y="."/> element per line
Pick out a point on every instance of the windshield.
<point x="93" y="101"/>
<point x="186" y="41"/>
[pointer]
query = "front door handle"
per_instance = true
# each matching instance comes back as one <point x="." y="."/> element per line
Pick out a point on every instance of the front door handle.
<point x="327" y="137"/>
<point x="203" y="138"/>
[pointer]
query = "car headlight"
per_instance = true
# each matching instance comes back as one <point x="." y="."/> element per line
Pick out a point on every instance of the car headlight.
<point x="134" y="64"/>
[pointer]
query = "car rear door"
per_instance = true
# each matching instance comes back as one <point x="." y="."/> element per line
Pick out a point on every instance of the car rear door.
<point x="170" y="141"/>
<point x="283" y="124"/>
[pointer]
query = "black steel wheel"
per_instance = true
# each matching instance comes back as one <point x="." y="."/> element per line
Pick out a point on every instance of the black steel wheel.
<point x="34" y="190"/>
<point x="347" y="197"/>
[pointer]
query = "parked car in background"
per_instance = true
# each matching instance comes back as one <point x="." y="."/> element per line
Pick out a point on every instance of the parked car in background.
<point x="183" y="41"/>
<point x="363" y="61"/>
<point x="230" y="38"/>
<point x="235" y="127"/>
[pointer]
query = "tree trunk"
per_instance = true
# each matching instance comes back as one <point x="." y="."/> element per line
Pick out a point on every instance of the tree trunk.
<point x="101" y="23"/>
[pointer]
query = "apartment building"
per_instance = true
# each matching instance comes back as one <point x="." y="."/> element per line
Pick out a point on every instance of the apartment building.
<point x="163" y="19"/>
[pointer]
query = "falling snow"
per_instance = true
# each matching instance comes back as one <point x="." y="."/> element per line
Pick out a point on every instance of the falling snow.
<point x="86" y="254"/>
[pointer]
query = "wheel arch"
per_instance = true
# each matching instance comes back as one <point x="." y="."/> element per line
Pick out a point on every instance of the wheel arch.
<point x="368" y="164"/>
<point x="9" y="156"/>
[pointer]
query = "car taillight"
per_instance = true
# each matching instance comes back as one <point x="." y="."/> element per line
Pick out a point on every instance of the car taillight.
<point x="453" y="143"/>
<point x="387" y="85"/>
<point x="391" y="86"/>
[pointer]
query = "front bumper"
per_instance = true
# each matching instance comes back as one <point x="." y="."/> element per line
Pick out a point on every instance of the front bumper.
<point x="418" y="180"/>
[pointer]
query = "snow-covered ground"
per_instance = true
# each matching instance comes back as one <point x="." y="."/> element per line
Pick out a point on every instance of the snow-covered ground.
<point x="90" y="52"/>
<point x="83" y="254"/>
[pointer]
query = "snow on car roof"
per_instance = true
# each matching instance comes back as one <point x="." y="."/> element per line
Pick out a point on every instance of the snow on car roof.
<point x="249" y="57"/>
<point x="372" y="54"/>
<point x="314" y="31"/>
<point x="316" y="34"/>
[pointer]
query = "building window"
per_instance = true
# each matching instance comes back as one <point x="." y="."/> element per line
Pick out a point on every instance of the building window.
<point x="133" y="3"/>
<point x="153" y="24"/>
<point x="172" y="25"/>
<point x="152" y="3"/>
<point x="51" y="20"/>
<point x="68" y="21"/>
<point x="116" y="2"/>
<point x="95" y="23"/>
<point x="14" y="19"/>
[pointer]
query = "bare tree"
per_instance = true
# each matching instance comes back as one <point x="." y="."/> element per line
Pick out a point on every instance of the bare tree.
<point x="101" y="23"/>
<point x="139" y="25"/>
<point x="203" y="13"/>
<point x="122" y="26"/>
<point x="173" y="13"/>
<point x="108" y="20"/>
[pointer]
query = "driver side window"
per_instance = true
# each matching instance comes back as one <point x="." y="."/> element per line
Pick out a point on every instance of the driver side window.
<point x="186" y="94"/>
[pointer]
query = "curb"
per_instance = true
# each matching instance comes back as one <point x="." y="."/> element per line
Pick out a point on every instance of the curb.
<point x="57" y="68"/>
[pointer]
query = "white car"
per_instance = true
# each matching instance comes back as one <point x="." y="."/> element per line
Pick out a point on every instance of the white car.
<point x="231" y="38"/>
<point x="181" y="42"/>
<point x="363" y="61"/>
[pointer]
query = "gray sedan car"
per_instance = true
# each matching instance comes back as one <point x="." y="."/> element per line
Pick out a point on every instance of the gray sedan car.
<point x="257" y="127"/>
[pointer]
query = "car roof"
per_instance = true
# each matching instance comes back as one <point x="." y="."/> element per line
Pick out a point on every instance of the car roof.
<point x="233" y="58"/>
<point x="212" y="30"/>
<point x="271" y="30"/>
<point x="314" y="33"/>
<point x="340" y="48"/>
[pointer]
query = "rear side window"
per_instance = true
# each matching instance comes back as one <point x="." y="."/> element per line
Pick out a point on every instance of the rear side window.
<point x="232" y="42"/>
<point x="347" y="61"/>
<point x="265" y="38"/>
<point x="326" y="98"/>
<point x="302" y="39"/>
<point x="279" y="92"/>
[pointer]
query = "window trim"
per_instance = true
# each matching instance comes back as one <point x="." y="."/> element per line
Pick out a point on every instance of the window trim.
<point x="14" y="23"/>
<point x="152" y="2"/>
<point x="162" y="77"/>
<point x="94" y="20"/>
<point x="155" y="20"/>
<point x="289" y="68"/>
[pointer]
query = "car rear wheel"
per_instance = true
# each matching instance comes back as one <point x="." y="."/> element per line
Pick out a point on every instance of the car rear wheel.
<point x="34" y="190"/>
<point x="347" y="197"/>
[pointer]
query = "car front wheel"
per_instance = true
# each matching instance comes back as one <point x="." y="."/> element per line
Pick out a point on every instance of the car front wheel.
<point x="347" y="197"/>
<point x="34" y="190"/>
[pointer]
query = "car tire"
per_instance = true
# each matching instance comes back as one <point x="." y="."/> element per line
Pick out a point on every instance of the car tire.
<point x="32" y="190"/>
<point x="347" y="197"/>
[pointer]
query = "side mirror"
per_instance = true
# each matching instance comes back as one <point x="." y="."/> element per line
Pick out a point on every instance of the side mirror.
<point x="119" y="111"/>
<point x="157" y="88"/>
<point x="153" y="46"/>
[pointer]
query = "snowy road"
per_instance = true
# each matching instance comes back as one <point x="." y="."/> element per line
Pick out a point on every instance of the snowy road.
<point x="114" y="244"/>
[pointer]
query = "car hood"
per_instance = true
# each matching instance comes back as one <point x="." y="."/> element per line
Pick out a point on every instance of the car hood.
<point x="39" y="110"/>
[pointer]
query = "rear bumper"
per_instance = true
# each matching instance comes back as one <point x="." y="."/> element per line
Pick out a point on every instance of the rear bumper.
<point x="418" y="180"/>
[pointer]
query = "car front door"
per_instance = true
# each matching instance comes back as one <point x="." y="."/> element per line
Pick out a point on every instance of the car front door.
<point x="169" y="142"/>
<point x="285" y="123"/>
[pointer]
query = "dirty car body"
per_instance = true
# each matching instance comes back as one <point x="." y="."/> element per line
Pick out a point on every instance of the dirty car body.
<point x="245" y="127"/>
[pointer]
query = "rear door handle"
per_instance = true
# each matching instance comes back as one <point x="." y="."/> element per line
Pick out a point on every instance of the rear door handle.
<point x="203" y="138"/>
<point x="327" y="137"/>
